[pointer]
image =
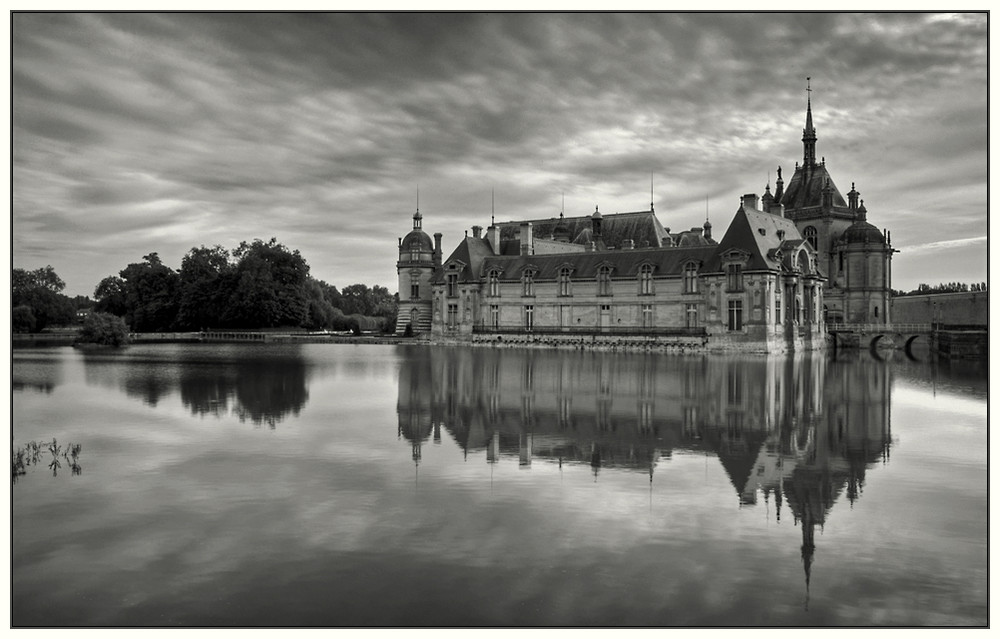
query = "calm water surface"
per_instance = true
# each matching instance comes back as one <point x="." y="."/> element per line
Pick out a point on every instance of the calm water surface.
<point x="382" y="485"/>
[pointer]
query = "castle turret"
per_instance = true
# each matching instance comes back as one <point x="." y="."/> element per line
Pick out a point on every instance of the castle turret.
<point x="418" y="258"/>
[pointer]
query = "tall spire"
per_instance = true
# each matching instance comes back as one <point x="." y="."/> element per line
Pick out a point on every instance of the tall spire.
<point x="650" y="191"/>
<point x="809" y="133"/>
<point x="417" y="217"/>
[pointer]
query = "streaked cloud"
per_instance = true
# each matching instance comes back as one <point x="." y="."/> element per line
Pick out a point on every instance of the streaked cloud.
<point x="160" y="132"/>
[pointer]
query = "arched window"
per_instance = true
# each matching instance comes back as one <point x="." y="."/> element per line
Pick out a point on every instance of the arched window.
<point x="803" y="262"/>
<point x="564" y="285"/>
<point x="494" y="283"/>
<point x="604" y="280"/>
<point x="690" y="277"/>
<point x="810" y="235"/>
<point x="645" y="279"/>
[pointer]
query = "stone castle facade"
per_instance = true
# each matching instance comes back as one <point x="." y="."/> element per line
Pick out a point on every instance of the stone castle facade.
<point x="788" y="263"/>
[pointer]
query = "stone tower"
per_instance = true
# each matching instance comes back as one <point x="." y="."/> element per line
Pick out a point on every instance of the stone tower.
<point x="823" y="216"/>
<point x="418" y="258"/>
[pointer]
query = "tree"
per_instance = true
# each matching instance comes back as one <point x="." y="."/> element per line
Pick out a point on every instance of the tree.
<point x="104" y="329"/>
<point x="151" y="292"/>
<point x="22" y="319"/>
<point x="39" y="291"/>
<point x="269" y="287"/>
<point x="206" y="283"/>
<point x="110" y="296"/>
<point x="321" y="312"/>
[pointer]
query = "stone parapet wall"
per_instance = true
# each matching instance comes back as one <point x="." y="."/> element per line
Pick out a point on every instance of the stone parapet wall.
<point x="954" y="309"/>
<point x="671" y="343"/>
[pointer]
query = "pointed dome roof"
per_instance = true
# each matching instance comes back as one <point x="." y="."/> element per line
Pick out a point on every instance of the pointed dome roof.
<point x="805" y="189"/>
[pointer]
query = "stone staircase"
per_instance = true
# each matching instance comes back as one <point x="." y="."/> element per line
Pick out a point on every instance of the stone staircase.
<point x="422" y="325"/>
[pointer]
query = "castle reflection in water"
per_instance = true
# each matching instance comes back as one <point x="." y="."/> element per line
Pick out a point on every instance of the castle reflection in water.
<point x="800" y="430"/>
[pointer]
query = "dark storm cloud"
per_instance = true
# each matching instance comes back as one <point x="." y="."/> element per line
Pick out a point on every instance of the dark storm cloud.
<point x="168" y="131"/>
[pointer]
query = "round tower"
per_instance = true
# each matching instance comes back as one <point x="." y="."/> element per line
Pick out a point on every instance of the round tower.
<point x="418" y="257"/>
<point x="865" y="257"/>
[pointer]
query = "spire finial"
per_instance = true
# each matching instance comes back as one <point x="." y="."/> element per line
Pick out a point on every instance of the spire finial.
<point x="493" y="212"/>
<point x="650" y="190"/>
<point x="809" y="133"/>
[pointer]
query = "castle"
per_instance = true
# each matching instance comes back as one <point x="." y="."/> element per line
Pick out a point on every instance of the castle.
<point x="788" y="263"/>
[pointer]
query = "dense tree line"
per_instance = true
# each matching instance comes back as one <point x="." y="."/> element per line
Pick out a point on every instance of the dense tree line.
<point x="256" y="285"/>
<point x="37" y="301"/>
<point x="950" y="287"/>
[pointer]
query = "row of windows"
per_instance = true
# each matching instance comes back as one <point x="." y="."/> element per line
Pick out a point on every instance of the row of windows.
<point x="564" y="281"/>
<point x="528" y="315"/>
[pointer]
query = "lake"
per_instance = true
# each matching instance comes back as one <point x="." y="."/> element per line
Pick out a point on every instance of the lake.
<point x="376" y="485"/>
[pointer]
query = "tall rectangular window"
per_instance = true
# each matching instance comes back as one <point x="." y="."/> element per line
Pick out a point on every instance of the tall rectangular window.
<point x="690" y="277"/>
<point x="647" y="316"/>
<point x="604" y="280"/>
<point x="645" y="280"/>
<point x="452" y="315"/>
<point x="777" y="306"/>
<point x="529" y="317"/>
<point x="736" y="315"/>
<point x="452" y="284"/>
<point x="734" y="277"/>
<point x="495" y="315"/>
<point x="494" y="284"/>
<point x="528" y="284"/>
<point x="564" y="289"/>
<point x="414" y="287"/>
<point x="691" y="315"/>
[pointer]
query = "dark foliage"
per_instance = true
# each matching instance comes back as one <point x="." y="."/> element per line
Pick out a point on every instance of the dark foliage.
<point x="104" y="329"/>
<point x="39" y="291"/>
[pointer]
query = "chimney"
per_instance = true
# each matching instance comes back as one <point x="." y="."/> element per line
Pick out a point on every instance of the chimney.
<point x="493" y="237"/>
<point x="437" y="249"/>
<point x="527" y="242"/>
<point x="750" y="201"/>
<point x="477" y="231"/>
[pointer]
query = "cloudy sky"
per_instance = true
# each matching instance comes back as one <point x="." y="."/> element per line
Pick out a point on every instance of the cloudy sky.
<point x="145" y="132"/>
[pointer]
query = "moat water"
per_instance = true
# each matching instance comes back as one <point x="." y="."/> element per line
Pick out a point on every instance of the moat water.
<point x="344" y="485"/>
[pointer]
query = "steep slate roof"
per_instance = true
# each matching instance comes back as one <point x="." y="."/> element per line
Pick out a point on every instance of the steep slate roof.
<point x="744" y="233"/>
<point x="665" y="261"/>
<point x="641" y="226"/>
<point x="471" y="251"/>
<point x="805" y="189"/>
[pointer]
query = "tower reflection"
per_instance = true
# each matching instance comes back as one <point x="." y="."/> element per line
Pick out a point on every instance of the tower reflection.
<point x="799" y="430"/>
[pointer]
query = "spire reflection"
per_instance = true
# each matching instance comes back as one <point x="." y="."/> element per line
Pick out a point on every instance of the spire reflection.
<point x="801" y="429"/>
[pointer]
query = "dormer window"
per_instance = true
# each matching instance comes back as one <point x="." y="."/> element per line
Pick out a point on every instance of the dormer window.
<point x="452" y="280"/>
<point x="493" y="282"/>
<point x="803" y="262"/>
